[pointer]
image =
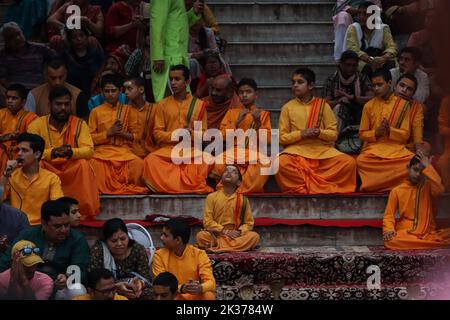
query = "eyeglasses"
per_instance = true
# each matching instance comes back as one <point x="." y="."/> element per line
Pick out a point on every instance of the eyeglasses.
<point x="26" y="251"/>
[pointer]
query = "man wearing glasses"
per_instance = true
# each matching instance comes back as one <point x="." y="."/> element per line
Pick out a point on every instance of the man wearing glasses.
<point x="100" y="286"/>
<point x="22" y="281"/>
<point x="60" y="246"/>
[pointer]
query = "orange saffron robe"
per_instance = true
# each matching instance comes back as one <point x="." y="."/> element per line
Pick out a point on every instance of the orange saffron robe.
<point x="229" y="213"/>
<point x="443" y="164"/>
<point x="252" y="180"/>
<point x="76" y="174"/>
<point x="118" y="170"/>
<point x="10" y="123"/>
<point x="312" y="165"/>
<point x="144" y="122"/>
<point x="416" y="227"/>
<point x="382" y="162"/>
<point x="161" y="174"/>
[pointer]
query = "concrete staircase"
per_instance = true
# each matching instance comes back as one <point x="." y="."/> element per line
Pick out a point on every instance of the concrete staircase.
<point x="268" y="40"/>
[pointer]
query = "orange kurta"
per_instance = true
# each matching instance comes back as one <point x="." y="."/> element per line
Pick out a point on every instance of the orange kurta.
<point x="28" y="195"/>
<point x="118" y="170"/>
<point x="216" y="112"/>
<point x="229" y="213"/>
<point x="252" y="179"/>
<point x="416" y="123"/>
<point x="193" y="264"/>
<point x="161" y="173"/>
<point x="76" y="174"/>
<point x="382" y="162"/>
<point x="10" y="123"/>
<point x="144" y="121"/>
<point x="416" y="227"/>
<point x="312" y="165"/>
<point x="443" y="164"/>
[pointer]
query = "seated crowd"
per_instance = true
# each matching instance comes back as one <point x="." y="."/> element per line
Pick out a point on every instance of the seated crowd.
<point x="98" y="112"/>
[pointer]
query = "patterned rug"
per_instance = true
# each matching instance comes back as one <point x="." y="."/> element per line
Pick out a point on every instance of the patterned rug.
<point x="328" y="271"/>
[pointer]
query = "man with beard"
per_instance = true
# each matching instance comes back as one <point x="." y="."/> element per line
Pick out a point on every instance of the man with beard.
<point x="68" y="148"/>
<point x="29" y="186"/>
<point x="221" y="99"/>
<point x="60" y="246"/>
<point x="162" y="174"/>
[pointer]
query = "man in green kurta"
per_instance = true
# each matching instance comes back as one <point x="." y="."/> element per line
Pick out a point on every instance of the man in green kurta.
<point x="169" y="27"/>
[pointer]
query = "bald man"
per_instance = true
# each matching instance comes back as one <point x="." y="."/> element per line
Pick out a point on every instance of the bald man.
<point x="221" y="99"/>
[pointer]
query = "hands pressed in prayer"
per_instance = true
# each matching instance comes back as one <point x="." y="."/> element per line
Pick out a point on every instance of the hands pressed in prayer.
<point x="383" y="129"/>
<point x="389" y="235"/>
<point x="158" y="66"/>
<point x="18" y="272"/>
<point x="192" y="287"/>
<point x="310" y="133"/>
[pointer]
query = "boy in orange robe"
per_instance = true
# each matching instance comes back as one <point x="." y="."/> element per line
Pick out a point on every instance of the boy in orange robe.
<point x="414" y="199"/>
<point x="162" y="173"/>
<point x="227" y="218"/>
<point x="248" y="118"/>
<point x="190" y="265"/>
<point x="14" y="120"/>
<point x="144" y="116"/>
<point x="118" y="169"/>
<point x="309" y="163"/>
<point x="385" y="129"/>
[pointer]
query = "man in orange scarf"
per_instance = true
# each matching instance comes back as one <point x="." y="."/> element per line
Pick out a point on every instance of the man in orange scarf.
<point x="14" y="120"/>
<point x="414" y="199"/>
<point x="68" y="148"/>
<point x="221" y="99"/>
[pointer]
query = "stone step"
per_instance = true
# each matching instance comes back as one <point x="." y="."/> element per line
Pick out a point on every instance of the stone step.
<point x="430" y="291"/>
<point x="235" y="11"/>
<point x="282" y="235"/>
<point x="279" y="74"/>
<point x="277" y="205"/>
<point x="267" y="52"/>
<point x="279" y="31"/>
